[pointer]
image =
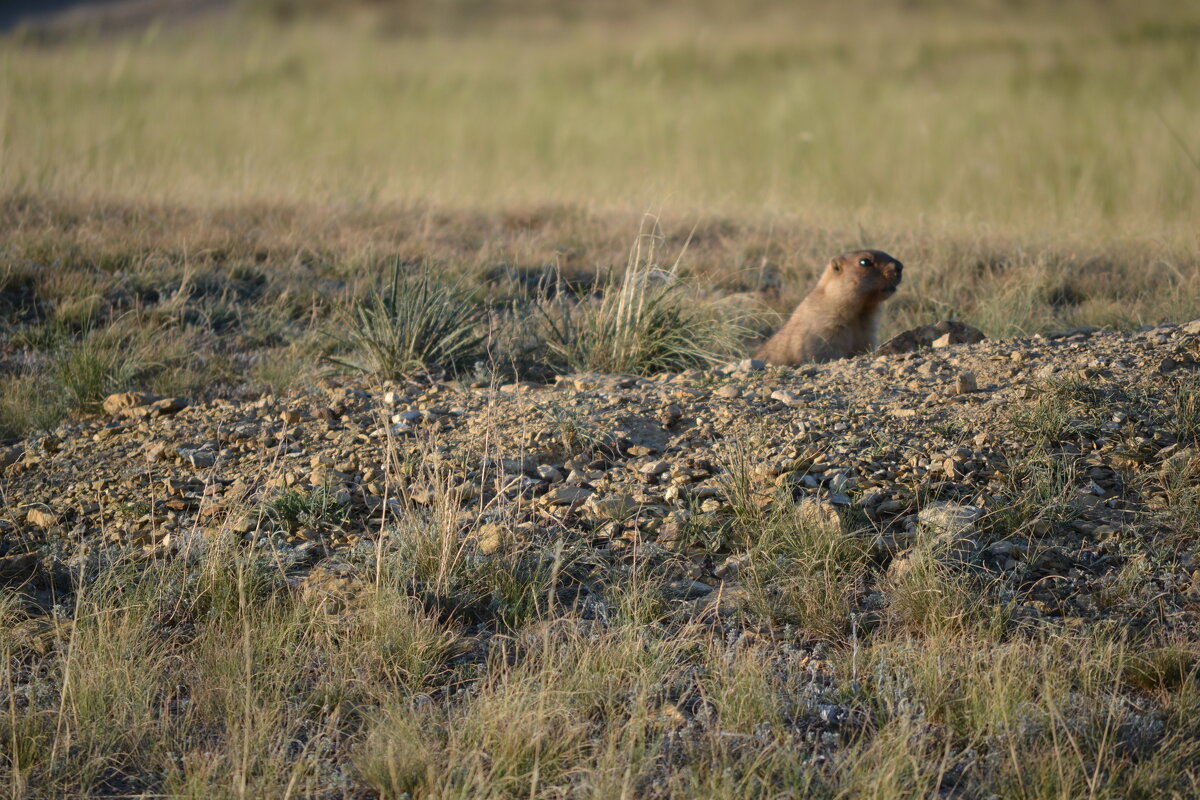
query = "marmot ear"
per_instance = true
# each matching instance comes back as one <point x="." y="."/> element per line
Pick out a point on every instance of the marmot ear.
<point x="836" y="265"/>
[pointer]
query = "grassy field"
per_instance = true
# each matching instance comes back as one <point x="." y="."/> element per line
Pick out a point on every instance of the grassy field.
<point x="1076" y="121"/>
<point x="216" y="210"/>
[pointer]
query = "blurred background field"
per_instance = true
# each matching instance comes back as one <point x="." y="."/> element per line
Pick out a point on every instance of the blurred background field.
<point x="235" y="177"/>
<point x="1072" y="119"/>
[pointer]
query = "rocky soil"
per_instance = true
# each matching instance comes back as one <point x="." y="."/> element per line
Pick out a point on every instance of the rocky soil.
<point x="944" y="447"/>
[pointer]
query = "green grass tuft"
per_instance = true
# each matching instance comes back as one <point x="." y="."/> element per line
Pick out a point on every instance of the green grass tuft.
<point x="642" y="322"/>
<point x="416" y="324"/>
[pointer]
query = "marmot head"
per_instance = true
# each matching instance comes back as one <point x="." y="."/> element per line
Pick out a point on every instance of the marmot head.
<point x="872" y="275"/>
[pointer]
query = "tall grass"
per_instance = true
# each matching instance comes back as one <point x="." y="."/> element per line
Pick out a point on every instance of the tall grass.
<point x="30" y="403"/>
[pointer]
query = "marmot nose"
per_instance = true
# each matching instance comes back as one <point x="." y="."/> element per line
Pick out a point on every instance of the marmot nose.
<point x="894" y="270"/>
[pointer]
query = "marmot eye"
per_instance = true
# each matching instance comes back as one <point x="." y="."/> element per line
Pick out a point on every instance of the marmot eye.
<point x="864" y="262"/>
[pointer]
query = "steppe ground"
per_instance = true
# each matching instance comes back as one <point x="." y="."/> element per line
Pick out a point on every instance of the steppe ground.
<point x="218" y="211"/>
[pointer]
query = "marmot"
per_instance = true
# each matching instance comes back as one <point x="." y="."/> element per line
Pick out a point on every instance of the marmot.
<point x="840" y="317"/>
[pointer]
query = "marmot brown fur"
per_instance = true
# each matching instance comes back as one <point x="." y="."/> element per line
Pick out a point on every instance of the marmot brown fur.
<point x="840" y="317"/>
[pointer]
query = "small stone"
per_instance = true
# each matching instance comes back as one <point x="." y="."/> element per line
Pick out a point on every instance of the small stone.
<point x="1051" y="560"/>
<point x="168" y="405"/>
<point x="955" y="469"/>
<point x="671" y="414"/>
<point x="490" y="538"/>
<point x="618" y="506"/>
<point x="550" y="474"/>
<point x="654" y="468"/>
<point x="941" y="334"/>
<point x="200" y="459"/>
<point x="566" y="496"/>
<point x="745" y="365"/>
<point x="40" y="517"/>
<point x="729" y="391"/>
<point x="788" y="398"/>
<point x="732" y="565"/>
<point x="421" y="495"/>
<point x="950" y="518"/>
<point x="336" y="588"/>
<point x="116" y="403"/>
<point x="966" y="383"/>
<point x="832" y="715"/>
<point x="1006" y="549"/>
<point x="891" y="543"/>
<point x="819" y="513"/>
<point x="687" y="590"/>
<point x="291" y="417"/>
<point x="244" y="524"/>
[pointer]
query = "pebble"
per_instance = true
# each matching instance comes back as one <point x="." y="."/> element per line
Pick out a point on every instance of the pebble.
<point x="950" y="518"/>
<point x="788" y="398"/>
<point x="885" y="429"/>
<point x="116" y="403"/>
<point x="40" y="517"/>
<point x="490" y="538"/>
<point x="566" y="496"/>
<point x="617" y="506"/>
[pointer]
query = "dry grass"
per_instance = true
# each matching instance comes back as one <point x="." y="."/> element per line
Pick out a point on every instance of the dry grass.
<point x="1076" y="118"/>
<point x="199" y="211"/>
<point x="548" y="668"/>
<point x="435" y="671"/>
<point x="643" y="321"/>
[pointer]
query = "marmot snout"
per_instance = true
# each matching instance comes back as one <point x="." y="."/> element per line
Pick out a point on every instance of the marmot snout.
<point x="840" y="317"/>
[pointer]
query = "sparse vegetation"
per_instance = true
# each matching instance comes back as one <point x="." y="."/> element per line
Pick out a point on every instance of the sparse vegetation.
<point x="30" y="403"/>
<point x="293" y="509"/>
<point x="642" y="321"/>
<point x="1064" y="410"/>
<point x="1185" y="419"/>
<point x="415" y="324"/>
<point x="805" y="569"/>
